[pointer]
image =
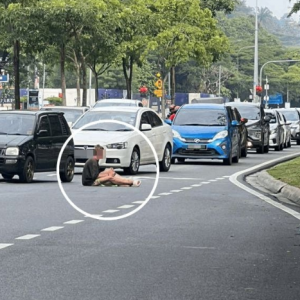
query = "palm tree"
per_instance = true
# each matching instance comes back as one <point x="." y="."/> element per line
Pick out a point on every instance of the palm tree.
<point x="295" y="8"/>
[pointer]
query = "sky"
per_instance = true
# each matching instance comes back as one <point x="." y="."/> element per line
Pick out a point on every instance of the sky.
<point x="277" y="7"/>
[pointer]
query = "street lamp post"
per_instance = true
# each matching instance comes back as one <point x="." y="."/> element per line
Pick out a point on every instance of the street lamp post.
<point x="237" y="63"/>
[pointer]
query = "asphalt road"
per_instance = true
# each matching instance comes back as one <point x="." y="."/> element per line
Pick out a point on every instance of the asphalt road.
<point x="199" y="237"/>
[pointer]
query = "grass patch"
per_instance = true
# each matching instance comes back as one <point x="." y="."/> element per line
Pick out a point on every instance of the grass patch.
<point x="288" y="172"/>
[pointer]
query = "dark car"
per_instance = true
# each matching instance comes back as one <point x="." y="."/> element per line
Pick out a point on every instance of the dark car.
<point x="30" y="141"/>
<point x="258" y="125"/>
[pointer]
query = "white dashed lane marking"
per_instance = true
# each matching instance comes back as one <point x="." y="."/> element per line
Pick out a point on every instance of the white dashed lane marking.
<point x="73" y="222"/>
<point x="205" y="182"/>
<point x="52" y="228"/>
<point x="140" y="202"/>
<point x="176" y="191"/>
<point x="94" y="216"/>
<point x="196" y="185"/>
<point x="226" y="176"/>
<point x="126" y="206"/>
<point x="110" y="211"/>
<point x="28" y="237"/>
<point x="212" y="180"/>
<point x="153" y="197"/>
<point x="164" y="194"/>
<point x="220" y="178"/>
<point x="2" y="246"/>
<point x="186" y="188"/>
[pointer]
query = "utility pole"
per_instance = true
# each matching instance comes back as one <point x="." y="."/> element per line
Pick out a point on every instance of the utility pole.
<point x="255" y="75"/>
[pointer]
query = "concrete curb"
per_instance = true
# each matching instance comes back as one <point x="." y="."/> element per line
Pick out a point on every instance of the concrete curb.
<point x="278" y="187"/>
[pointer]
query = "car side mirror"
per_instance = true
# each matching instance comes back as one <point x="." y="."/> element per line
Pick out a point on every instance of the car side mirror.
<point x="168" y="121"/>
<point x="42" y="132"/>
<point x="146" y="127"/>
<point x="234" y="123"/>
<point x="244" y="120"/>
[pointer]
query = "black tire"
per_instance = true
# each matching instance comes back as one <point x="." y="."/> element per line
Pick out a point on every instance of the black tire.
<point x="261" y="149"/>
<point x="67" y="174"/>
<point x="228" y="161"/>
<point x="7" y="176"/>
<point x="277" y="148"/>
<point x="238" y="155"/>
<point x="181" y="160"/>
<point x="165" y="164"/>
<point x="289" y="144"/>
<point x="298" y="142"/>
<point x="281" y="146"/>
<point x="27" y="174"/>
<point x="134" y="163"/>
<point x="266" y="148"/>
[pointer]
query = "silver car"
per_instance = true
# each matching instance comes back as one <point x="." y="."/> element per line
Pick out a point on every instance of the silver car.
<point x="292" y="115"/>
<point x="287" y="130"/>
<point x="276" y="137"/>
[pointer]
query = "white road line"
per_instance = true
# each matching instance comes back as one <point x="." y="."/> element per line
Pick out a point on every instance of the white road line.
<point x="110" y="211"/>
<point x="164" y="194"/>
<point x="233" y="179"/>
<point x="227" y="176"/>
<point x="126" y="206"/>
<point x="153" y="197"/>
<point x="2" y="246"/>
<point x="52" y="228"/>
<point x="186" y="188"/>
<point x="74" y="222"/>
<point x="94" y="216"/>
<point x="220" y="178"/>
<point x="205" y="182"/>
<point x="195" y="185"/>
<point x="212" y="180"/>
<point x="176" y="191"/>
<point x="27" y="237"/>
<point x="140" y="202"/>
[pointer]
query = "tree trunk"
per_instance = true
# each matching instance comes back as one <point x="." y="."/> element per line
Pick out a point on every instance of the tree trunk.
<point x="17" y="73"/>
<point x="128" y="78"/>
<point x="173" y="84"/>
<point x="62" y="74"/>
<point x="78" y="84"/>
<point x="96" y="85"/>
<point x="84" y="84"/>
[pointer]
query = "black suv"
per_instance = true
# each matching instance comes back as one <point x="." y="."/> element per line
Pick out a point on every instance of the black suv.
<point x="30" y="141"/>
<point x="258" y="125"/>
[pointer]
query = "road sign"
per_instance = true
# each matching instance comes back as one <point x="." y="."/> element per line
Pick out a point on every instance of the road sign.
<point x="158" y="84"/>
<point x="4" y="78"/>
<point x="158" y="93"/>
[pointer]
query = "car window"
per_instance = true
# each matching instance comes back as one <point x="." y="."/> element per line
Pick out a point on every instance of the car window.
<point x="20" y="124"/>
<point x="249" y="112"/>
<point x="44" y="125"/>
<point x="272" y="116"/>
<point x="154" y="119"/>
<point x="55" y="125"/>
<point x="201" y="117"/>
<point x="290" y="115"/>
<point x="145" y="119"/>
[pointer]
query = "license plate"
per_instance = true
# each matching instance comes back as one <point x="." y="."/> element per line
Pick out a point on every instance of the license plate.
<point x="83" y="153"/>
<point x="202" y="147"/>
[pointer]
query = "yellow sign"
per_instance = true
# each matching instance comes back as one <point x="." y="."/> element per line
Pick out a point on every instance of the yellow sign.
<point x="158" y="75"/>
<point x="158" y="84"/>
<point x="158" y="93"/>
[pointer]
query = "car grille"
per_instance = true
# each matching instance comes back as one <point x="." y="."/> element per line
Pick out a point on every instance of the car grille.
<point x="81" y="160"/>
<point x="198" y="140"/>
<point x="84" y="147"/>
<point x="198" y="152"/>
<point x="1" y="160"/>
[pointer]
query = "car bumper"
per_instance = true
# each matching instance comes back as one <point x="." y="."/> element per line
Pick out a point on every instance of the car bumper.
<point x="11" y="164"/>
<point x="218" y="149"/>
<point x="295" y="135"/>
<point x="115" y="158"/>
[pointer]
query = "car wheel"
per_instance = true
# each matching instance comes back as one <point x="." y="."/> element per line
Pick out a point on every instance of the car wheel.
<point x="238" y="155"/>
<point x="277" y="148"/>
<point x="289" y="143"/>
<point x="28" y="172"/>
<point x="165" y="164"/>
<point x="298" y="142"/>
<point x="7" y="176"/>
<point x="68" y="173"/>
<point x="134" y="163"/>
<point x="281" y="147"/>
<point x="228" y="160"/>
<point x="181" y="159"/>
<point x="266" y="148"/>
<point x="261" y="148"/>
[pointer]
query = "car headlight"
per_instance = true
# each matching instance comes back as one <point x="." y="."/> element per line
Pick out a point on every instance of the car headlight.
<point x="273" y="131"/>
<point x="12" y="151"/>
<point x="117" y="145"/>
<point x="219" y="135"/>
<point x="178" y="136"/>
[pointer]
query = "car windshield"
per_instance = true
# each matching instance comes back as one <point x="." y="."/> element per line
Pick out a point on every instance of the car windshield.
<point x="92" y="116"/>
<point x="273" y="119"/>
<point x="16" y="124"/>
<point x="106" y="104"/>
<point x="71" y="115"/>
<point x="290" y="115"/>
<point x="249" y="112"/>
<point x="201" y="117"/>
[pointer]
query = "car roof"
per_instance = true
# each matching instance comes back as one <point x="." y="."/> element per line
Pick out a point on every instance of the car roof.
<point x="64" y="107"/>
<point x="118" y="100"/>
<point x="242" y="104"/>
<point x="123" y="108"/>
<point x="287" y="109"/>
<point x="28" y="112"/>
<point x="203" y="105"/>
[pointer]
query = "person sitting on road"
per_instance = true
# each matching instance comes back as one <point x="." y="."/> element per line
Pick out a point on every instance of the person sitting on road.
<point x="91" y="175"/>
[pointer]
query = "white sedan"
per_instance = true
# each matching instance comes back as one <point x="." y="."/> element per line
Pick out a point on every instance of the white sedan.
<point x="125" y="148"/>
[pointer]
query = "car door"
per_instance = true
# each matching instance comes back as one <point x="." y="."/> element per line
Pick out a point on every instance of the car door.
<point x="159" y="133"/>
<point x="44" y="151"/>
<point x="280" y="128"/>
<point x="234" y="132"/>
<point x="146" y="152"/>
<point x="265" y="127"/>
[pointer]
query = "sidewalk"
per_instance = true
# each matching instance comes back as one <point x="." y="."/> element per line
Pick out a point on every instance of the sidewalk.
<point x="277" y="188"/>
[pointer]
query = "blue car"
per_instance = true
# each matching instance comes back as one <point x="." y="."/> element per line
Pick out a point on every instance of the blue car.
<point x="206" y="131"/>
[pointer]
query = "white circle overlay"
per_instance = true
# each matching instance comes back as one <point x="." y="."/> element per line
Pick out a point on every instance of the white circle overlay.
<point x="96" y="216"/>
